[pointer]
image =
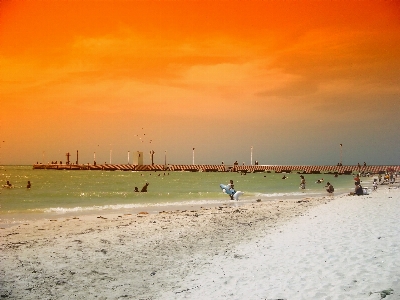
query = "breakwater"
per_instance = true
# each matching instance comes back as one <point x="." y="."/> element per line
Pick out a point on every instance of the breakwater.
<point x="302" y="169"/>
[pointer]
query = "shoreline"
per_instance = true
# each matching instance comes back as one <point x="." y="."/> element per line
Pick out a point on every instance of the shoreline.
<point x="14" y="219"/>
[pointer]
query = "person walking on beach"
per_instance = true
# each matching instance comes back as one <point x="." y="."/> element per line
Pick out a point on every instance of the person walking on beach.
<point x="302" y="182"/>
<point x="391" y="178"/>
<point x="375" y="184"/>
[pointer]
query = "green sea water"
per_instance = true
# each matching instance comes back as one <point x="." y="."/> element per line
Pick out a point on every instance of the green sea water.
<point x="65" y="191"/>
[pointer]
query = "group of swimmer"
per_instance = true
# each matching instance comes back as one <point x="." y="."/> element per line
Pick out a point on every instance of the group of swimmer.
<point x="29" y="185"/>
<point x="358" y="190"/>
<point x="144" y="188"/>
<point x="330" y="189"/>
<point x="8" y="185"/>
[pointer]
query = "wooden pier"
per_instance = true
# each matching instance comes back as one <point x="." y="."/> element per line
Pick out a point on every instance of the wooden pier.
<point x="301" y="169"/>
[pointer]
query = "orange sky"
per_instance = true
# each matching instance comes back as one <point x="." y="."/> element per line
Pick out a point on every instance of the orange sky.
<point x="293" y="79"/>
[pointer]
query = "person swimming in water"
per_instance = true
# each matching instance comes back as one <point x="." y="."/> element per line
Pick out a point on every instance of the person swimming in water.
<point x="8" y="185"/>
<point x="144" y="188"/>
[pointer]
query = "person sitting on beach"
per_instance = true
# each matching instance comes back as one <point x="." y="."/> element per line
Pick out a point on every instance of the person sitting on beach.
<point x="330" y="189"/>
<point x="385" y="179"/>
<point x="136" y="189"/>
<point x="358" y="190"/>
<point x="144" y="188"/>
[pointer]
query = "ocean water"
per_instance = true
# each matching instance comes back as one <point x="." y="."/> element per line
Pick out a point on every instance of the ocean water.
<point x="58" y="192"/>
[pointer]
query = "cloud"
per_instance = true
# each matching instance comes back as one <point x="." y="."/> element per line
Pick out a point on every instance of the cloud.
<point x="300" y="87"/>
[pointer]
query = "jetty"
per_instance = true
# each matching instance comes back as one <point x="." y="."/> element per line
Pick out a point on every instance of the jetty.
<point x="301" y="169"/>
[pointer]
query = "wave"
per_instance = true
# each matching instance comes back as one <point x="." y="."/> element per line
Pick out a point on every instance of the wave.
<point x="290" y="194"/>
<point x="62" y="210"/>
<point x="185" y="203"/>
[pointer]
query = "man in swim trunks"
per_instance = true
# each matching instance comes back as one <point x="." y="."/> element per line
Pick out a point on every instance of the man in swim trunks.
<point x="231" y="188"/>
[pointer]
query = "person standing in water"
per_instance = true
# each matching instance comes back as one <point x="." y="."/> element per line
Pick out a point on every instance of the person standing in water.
<point x="231" y="188"/>
<point x="144" y="188"/>
<point x="302" y="182"/>
<point x="28" y="186"/>
<point x="330" y="189"/>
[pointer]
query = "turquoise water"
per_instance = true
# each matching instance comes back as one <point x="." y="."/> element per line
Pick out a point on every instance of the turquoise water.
<point x="59" y="192"/>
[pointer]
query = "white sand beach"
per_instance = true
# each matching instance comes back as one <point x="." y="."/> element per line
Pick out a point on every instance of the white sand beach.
<point x="339" y="247"/>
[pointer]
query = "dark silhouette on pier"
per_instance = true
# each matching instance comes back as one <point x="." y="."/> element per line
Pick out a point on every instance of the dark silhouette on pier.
<point x="301" y="169"/>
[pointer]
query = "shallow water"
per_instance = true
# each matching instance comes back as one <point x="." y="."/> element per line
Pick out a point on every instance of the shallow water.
<point x="64" y="191"/>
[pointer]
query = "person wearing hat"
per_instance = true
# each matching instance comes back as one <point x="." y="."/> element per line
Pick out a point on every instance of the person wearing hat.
<point x="330" y="189"/>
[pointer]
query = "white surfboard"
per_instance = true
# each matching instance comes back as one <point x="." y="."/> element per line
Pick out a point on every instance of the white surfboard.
<point x="231" y="192"/>
<point x="237" y="195"/>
